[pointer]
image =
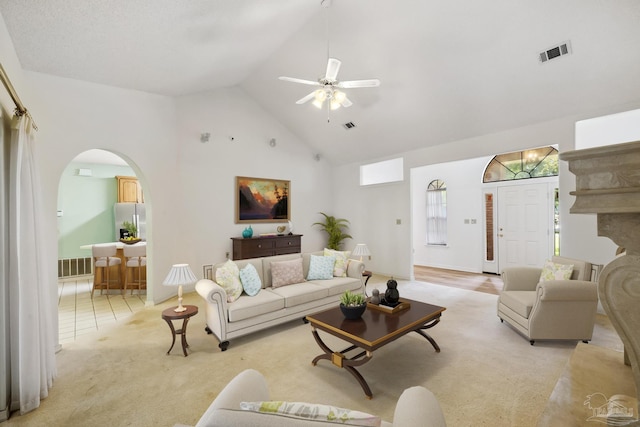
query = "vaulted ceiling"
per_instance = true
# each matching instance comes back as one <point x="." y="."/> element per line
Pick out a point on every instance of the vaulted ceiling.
<point x="449" y="69"/>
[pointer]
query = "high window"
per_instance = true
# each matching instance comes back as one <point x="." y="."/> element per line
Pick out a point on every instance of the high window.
<point x="437" y="213"/>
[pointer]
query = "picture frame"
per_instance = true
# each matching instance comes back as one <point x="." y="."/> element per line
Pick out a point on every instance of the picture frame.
<point x="262" y="200"/>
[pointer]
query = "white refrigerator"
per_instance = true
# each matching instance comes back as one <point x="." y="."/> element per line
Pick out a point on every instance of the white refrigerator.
<point x="132" y="212"/>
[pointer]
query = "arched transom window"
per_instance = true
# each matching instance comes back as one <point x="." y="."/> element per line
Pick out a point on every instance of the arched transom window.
<point x="535" y="163"/>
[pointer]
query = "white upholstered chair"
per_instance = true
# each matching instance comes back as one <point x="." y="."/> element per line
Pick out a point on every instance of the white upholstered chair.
<point x="104" y="257"/>
<point x="135" y="266"/>
<point x="552" y="309"/>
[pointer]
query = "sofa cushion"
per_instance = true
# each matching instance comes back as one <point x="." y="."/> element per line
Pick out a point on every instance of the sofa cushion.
<point x="264" y="302"/>
<point x="321" y="267"/>
<point x="337" y="285"/>
<point x="555" y="271"/>
<point x="251" y="282"/>
<point x="300" y="293"/>
<point x="228" y="277"/>
<point x="342" y="261"/>
<point x="313" y="411"/>
<point x="519" y="301"/>
<point x="286" y="272"/>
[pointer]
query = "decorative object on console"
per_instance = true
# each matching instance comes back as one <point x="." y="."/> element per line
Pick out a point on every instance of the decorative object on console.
<point x="290" y="228"/>
<point x="391" y="295"/>
<point x="247" y="233"/>
<point x="280" y="229"/>
<point x="179" y="275"/>
<point x="361" y="250"/>
<point x="352" y="305"/>
<point x="335" y="228"/>
<point x="262" y="200"/>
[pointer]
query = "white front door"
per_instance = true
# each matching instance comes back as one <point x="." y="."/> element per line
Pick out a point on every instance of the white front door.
<point x="525" y="237"/>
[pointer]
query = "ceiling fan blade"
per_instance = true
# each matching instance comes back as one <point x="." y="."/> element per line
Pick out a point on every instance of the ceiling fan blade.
<point x="306" y="98"/>
<point x="295" y="80"/>
<point x="346" y="102"/>
<point x="333" y="66"/>
<point x="350" y="84"/>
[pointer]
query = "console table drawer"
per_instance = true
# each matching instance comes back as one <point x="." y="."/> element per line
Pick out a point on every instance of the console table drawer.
<point x="288" y="242"/>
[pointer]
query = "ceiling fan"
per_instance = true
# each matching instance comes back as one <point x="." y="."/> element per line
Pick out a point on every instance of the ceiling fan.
<point x="329" y="85"/>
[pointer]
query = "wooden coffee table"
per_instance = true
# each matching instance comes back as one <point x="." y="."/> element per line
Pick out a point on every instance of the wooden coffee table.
<point x="375" y="329"/>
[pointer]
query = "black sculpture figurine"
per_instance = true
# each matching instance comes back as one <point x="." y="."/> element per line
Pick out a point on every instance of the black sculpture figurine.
<point x="391" y="296"/>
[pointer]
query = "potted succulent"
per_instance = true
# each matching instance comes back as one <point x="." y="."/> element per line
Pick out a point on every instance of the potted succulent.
<point x="352" y="305"/>
<point x="335" y="228"/>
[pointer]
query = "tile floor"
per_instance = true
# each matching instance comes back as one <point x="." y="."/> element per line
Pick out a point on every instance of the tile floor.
<point x="79" y="314"/>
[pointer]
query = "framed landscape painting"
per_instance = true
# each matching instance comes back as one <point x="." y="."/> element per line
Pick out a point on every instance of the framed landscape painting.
<point x="262" y="200"/>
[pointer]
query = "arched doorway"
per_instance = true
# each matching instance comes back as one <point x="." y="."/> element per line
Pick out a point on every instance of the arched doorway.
<point x="87" y="198"/>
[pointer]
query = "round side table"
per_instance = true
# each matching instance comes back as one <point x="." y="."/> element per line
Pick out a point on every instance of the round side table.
<point x="169" y="315"/>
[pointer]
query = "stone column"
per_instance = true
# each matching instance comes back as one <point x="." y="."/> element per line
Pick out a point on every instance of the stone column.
<point x="608" y="184"/>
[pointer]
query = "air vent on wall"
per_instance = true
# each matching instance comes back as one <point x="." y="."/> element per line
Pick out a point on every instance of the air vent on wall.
<point x="555" y="52"/>
<point x="349" y="125"/>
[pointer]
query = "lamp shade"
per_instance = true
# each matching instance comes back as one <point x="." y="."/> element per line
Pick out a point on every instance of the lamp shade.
<point x="180" y="274"/>
<point x="361" y="250"/>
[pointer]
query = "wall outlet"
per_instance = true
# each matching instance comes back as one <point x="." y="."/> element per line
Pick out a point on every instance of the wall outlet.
<point x="398" y="221"/>
<point x="473" y="221"/>
<point x="466" y="221"/>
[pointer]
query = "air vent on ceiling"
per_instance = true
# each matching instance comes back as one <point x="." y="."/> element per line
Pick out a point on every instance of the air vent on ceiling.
<point x="555" y="52"/>
<point x="349" y="125"/>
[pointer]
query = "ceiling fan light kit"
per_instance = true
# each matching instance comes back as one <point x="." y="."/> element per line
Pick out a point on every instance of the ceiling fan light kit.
<point x="329" y="84"/>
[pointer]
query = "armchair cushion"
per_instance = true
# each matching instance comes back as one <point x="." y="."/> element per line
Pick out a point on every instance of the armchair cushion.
<point x="519" y="301"/>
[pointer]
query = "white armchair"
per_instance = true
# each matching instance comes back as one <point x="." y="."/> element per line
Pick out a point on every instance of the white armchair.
<point x="552" y="309"/>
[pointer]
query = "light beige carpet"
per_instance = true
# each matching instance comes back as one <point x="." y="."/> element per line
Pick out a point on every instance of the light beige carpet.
<point x="486" y="374"/>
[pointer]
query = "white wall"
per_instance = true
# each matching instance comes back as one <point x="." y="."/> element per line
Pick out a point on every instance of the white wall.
<point x="373" y="209"/>
<point x="189" y="186"/>
<point x="207" y="172"/>
<point x="464" y="249"/>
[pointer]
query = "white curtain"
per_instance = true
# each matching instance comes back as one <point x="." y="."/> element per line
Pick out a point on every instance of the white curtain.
<point x="32" y="346"/>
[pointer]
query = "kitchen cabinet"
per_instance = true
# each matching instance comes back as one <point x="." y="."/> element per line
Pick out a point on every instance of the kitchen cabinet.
<point x="129" y="190"/>
<point x="256" y="247"/>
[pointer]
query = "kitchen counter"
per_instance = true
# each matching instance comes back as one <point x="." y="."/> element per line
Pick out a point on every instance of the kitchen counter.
<point x="97" y="275"/>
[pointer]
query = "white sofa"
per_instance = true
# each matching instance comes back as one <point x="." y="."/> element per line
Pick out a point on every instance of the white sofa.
<point x="416" y="407"/>
<point x="271" y="306"/>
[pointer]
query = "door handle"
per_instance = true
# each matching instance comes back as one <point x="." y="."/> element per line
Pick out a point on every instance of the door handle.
<point x="500" y="235"/>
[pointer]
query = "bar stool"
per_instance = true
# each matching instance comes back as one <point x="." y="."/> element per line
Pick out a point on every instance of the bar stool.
<point x="104" y="257"/>
<point x="135" y="260"/>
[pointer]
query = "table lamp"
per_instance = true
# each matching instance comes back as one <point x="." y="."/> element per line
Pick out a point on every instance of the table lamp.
<point x="361" y="250"/>
<point x="179" y="275"/>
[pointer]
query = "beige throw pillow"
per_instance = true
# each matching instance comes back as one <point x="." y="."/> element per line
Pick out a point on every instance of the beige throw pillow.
<point x="553" y="271"/>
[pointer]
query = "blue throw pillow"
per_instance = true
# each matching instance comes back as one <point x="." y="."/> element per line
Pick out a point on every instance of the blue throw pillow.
<point x="321" y="267"/>
<point x="250" y="279"/>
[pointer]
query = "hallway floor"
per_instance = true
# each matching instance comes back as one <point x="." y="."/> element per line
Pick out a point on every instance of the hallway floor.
<point x="79" y="314"/>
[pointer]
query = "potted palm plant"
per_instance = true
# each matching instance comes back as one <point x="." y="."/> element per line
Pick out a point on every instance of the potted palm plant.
<point x="335" y="228"/>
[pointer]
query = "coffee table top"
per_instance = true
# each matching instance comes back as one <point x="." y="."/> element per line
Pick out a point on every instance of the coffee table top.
<point x="375" y="328"/>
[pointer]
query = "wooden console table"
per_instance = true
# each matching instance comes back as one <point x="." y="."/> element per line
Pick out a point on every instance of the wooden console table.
<point x="257" y="247"/>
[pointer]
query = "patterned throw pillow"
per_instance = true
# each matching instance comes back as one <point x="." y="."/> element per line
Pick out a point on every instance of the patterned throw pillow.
<point x="250" y="280"/>
<point x="312" y="411"/>
<point x="321" y="267"/>
<point x="286" y="272"/>
<point x="553" y="271"/>
<point x="342" y="261"/>
<point x="228" y="276"/>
